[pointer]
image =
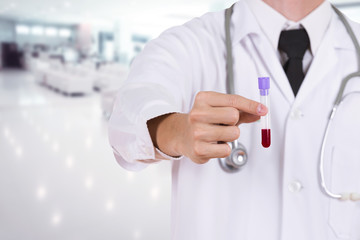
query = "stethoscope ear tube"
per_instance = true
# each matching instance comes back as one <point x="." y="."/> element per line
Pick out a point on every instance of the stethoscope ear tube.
<point x="238" y="157"/>
<point x="229" y="57"/>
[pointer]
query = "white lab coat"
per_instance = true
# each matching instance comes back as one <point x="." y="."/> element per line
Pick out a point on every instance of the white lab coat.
<point x="277" y="195"/>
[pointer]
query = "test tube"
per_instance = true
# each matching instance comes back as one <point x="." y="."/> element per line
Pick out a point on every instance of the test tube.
<point x="264" y="86"/>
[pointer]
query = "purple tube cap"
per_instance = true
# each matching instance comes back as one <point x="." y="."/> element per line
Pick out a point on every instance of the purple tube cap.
<point x="264" y="83"/>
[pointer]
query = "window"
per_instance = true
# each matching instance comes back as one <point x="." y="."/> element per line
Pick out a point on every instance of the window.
<point x="37" y="30"/>
<point x="51" y="31"/>
<point x="22" y="29"/>
<point x="64" y="32"/>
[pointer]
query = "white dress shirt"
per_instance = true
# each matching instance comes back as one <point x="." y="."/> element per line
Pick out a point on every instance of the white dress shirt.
<point x="272" y="23"/>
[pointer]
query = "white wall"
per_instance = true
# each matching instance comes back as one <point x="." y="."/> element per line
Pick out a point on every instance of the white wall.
<point x="7" y="34"/>
<point x="7" y="31"/>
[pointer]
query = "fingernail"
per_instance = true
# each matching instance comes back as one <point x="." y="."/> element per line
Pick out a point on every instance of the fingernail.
<point x="261" y="109"/>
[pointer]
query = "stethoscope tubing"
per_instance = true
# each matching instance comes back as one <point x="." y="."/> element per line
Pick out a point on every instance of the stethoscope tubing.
<point x="321" y="167"/>
<point x="229" y="166"/>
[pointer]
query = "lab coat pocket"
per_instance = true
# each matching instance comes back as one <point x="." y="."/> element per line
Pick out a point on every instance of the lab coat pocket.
<point x="344" y="216"/>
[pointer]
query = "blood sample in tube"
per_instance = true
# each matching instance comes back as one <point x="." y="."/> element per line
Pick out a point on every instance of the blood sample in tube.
<point x="264" y="86"/>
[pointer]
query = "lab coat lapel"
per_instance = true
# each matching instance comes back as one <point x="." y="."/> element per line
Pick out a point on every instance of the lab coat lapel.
<point x="322" y="65"/>
<point x="246" y="25"/>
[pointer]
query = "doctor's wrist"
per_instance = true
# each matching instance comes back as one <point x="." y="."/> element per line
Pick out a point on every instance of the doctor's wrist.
<point x="166" y="133"/>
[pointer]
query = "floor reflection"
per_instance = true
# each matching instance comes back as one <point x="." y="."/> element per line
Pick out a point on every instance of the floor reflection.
<point x="58" y="177"/>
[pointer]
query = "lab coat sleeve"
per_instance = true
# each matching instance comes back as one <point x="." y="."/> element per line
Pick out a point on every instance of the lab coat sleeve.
<point x="160" y="82"/>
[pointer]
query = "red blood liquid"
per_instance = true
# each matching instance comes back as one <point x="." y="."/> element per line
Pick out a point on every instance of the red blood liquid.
<point x="266" y="137"/>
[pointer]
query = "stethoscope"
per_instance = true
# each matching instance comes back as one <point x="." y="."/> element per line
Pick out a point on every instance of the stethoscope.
<point x="239" y="157"/>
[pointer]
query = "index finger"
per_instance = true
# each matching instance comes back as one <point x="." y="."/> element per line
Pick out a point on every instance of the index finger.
<point x="236" y="101"/>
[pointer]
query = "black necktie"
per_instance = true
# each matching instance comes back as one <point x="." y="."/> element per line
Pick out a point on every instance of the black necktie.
<point x="294" y="43"/>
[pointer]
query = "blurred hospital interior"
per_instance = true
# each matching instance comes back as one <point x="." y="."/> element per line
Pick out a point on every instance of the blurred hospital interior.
<point x="61" y="64"/>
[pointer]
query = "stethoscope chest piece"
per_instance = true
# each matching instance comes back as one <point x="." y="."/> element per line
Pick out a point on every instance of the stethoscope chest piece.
<point x="236" y="160"/>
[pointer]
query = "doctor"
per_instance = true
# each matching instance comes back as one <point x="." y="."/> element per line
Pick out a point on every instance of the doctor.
<point x="174" y="107"/>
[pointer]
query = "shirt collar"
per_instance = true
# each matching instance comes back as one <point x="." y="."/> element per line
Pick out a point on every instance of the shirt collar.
<point x="316" y="24"/>
<point x="239" y="27"/>
<point x="272" y="22"/>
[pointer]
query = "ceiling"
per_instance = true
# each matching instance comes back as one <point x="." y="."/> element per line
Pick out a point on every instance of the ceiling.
<point x="79" y="11"/>
<point x="105" y="11"/>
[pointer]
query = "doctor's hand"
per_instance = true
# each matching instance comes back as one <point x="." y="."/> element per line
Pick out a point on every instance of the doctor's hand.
<point x="202" y="134"/>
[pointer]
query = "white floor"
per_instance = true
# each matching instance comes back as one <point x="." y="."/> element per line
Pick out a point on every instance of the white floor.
<point x="58" y="177"/>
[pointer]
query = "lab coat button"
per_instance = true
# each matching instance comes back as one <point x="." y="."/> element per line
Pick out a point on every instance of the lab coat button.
<point x="296" y="114"/>
<point x="295" y="187"/>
